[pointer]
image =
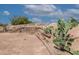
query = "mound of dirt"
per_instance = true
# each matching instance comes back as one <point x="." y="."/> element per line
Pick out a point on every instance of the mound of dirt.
<point x="37" y="43"/>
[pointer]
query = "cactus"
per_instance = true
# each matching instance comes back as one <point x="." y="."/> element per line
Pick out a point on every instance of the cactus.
<point x="62" y="39"/>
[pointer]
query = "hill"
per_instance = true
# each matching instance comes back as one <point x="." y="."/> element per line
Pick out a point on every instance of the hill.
<point x="32" y="41"/>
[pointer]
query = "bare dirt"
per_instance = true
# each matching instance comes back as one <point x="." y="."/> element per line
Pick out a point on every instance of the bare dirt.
<point x="21" y="43"/>
<point x="26" y="44"/>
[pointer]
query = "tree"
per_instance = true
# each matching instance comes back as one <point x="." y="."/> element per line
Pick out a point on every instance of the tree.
<point x="20" y="20"/>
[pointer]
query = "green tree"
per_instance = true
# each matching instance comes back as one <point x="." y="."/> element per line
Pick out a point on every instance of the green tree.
<point x="20" y="20"/>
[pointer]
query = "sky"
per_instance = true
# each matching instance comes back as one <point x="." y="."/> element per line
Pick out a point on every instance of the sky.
<point x="40" y="13"/>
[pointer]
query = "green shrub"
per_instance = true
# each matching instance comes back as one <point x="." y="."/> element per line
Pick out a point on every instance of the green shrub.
<point x="73" y="22"/>
<point x="62" y="39"/>
<point x="20" y="20"/>
<point x="48" y="30"/>
<point x="3" y="24"/>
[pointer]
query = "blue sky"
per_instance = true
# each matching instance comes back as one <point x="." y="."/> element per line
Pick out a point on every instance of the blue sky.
<point x="43" y="13"/>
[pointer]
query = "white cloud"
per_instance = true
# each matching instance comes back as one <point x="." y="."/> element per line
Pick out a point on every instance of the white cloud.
<point x="49" y="10"/>
<point x="43" y="10"/>
<point x="40" y="10"/>
<point x="6" y="12"/>
<point x="74" y="11"/>
<point x="37" y="20"/>
<point x="71" y="13"/>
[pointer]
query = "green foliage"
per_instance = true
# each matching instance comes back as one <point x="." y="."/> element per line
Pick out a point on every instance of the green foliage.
<point x="73" y="22"/>
<point x="48" y="30"/>
<point x="3" y="25"/>
<point x="20" y="20"/>
<point x="62" y="39"/>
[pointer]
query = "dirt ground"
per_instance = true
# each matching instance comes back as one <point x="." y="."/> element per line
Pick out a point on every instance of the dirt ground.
<point x="25" y="44"/>
<point x="21" y="43"/>
<point x="30" y="44"/>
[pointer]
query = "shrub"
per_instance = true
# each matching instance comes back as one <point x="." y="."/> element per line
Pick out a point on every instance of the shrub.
<point x="73" y="22"/>
<point x="20" y="20"/>
<point x="48" y="30"/>
<point x="62" y="39"/>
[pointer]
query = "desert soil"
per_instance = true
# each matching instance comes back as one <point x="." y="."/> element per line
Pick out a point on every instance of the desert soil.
<point x="24" y="44"/>
<point x="21" y="43"/>
<point x="29" y="44"/>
